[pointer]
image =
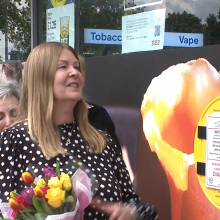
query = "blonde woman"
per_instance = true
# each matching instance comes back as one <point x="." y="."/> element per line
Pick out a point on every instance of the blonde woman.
<point x="53" y="125"/>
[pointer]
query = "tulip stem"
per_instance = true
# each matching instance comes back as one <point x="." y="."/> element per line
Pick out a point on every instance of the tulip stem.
<point x="23" y="214"/>
<point x="58" y="168"/>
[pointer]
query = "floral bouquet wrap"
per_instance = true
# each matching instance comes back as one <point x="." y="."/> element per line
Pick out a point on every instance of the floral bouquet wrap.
<point x="52" y="195"/>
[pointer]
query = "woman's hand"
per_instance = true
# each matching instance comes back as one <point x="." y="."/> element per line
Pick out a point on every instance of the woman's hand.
<point x="120" y="212"/>
<point x="115" y="210"/>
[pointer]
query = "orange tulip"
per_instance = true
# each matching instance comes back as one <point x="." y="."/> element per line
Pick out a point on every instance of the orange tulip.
<point x="39" y="192"/>
<point x="14" y="204"/>
<point x="13" y="194"/>
<point x="27" y="178"/>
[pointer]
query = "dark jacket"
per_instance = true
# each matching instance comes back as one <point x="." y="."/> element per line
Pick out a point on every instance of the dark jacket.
<point x="100" y="119"/>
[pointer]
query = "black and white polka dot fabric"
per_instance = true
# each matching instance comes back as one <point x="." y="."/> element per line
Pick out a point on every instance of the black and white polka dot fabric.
<point x="18" y="151"/>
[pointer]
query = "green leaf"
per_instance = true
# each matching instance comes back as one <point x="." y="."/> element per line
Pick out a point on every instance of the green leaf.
<point x="17" y="217"/>
<point x="40" y="216"/>
<point x="37" y="203"/>
<point x="23" y="215"/>
<point x="31" y="210"/>
<point x="29" y="215"/>
<point x="69" y="204"/>
<point x="42" y="206"/>
<point x="47" y="208"/>
<point x="33" y="185"/>
<point x="58" y="168"/>
<point x="46" y="180"/>
<point x="69" y="199"/>
<point x="15" y="194"/>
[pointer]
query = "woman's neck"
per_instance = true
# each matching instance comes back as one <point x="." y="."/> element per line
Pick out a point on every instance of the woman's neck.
<point x="63" y="114"/>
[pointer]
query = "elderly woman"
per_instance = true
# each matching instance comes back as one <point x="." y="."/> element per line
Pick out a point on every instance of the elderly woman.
<point x="9" y="97"/>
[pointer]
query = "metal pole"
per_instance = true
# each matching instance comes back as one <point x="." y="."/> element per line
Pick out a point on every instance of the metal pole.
<point x="77" y="17"/>
<point x="36" y="23"/>
<point x="6" y="31"/>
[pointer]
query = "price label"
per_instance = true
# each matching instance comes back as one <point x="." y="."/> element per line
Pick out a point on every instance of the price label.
<point x="51" y="25"/>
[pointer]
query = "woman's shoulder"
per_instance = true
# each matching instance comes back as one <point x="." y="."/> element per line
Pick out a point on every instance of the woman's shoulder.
<point x="96" y="109"/>
<point x="13" y="139"/>
<point x="100" y="119"/>
<point x="18" y="128"/>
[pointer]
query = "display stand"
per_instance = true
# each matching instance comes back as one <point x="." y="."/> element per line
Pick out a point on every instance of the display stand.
<point x="207" y="152"/>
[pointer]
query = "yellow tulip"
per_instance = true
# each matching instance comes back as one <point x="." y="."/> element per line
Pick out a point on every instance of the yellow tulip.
<point x="41" y="183"/>
<point x="55" y="196"/>
<point x="66" y="181"/>
<point x="54" y="182"/>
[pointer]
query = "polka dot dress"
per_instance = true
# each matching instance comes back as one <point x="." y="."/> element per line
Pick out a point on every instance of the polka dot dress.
<point x="18" y="152"/>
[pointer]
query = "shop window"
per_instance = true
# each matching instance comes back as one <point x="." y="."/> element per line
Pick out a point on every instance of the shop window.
<point x="195" y="20"/>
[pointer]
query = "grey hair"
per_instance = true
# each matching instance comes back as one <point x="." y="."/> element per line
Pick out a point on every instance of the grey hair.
<point x="9" y="88"/>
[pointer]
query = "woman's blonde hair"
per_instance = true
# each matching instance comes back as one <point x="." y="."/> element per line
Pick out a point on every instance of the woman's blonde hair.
<point x="36" y="102"/>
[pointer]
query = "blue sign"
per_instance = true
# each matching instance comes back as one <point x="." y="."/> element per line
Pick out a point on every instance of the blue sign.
<point x="101" y="36"/>
<point x="183" y="39"/>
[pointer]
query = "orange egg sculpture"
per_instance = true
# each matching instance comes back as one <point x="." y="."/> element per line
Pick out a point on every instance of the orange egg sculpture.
<point x="171" y="108"/>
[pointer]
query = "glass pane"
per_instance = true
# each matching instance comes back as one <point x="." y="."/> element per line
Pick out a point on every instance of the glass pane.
<point x="15" y="26"/>
<point x="182" y="16"/>
<point x="100" y="15"/>
<point x="15" y="37"/>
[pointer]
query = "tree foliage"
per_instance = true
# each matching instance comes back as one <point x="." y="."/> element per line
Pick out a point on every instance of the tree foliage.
<point x="189" y="23"/>
<point x="16" y="23"/>
<point x="212" y="30"/>
<point x="10" y="15"/>
<point x="21" y="36"/>
<point x="101" y="14"/>
<point x="183" y="23"/>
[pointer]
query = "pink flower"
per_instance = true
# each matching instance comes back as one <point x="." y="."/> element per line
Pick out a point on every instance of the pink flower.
<point x="14" y="214"/>
<point x="48" y="172"/>
<point x="27" y="195"/>
<point x="21" y="201"/>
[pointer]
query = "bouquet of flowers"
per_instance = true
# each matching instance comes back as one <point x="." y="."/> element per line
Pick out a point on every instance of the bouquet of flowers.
<point x="54" y="196"/>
